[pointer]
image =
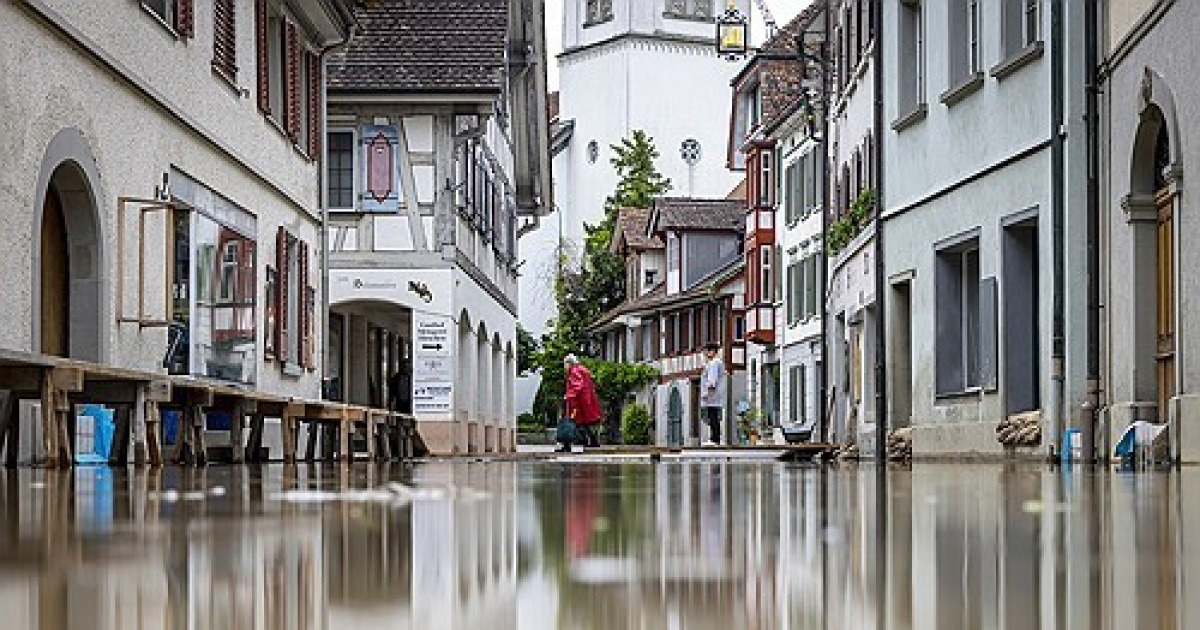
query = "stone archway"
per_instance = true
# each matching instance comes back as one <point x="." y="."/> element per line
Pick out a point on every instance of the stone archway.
<point x="1151" y="209"/>
<point x="68" y="253"/>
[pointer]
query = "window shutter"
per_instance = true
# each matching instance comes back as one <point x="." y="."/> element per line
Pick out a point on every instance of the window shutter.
<point x="225" y="37"/>
<point x="380" y="175"/>
<point x="292" y="82"/>
<point x="281" y="319"/>
<point x="315" y="83"/>
<point x="305" y="315"/>
<point x="263" y="56"/>
<point x="185" y="19"/>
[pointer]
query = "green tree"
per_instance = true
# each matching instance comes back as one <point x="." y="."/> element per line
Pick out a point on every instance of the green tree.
<point x="594" y="283"/>
<point x="527" y="348"/>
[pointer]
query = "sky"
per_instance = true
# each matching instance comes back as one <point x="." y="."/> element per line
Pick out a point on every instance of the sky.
<point x="783" y="10"/>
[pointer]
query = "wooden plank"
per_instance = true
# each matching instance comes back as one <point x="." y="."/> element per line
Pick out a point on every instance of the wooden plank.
<point x="21" y="378"/>
<point x="346" y="428"/>
<point x="68" y="379"/>
<point x="120" y="447"/>
<point x="109" y="392"/>
<point x="158" y="391"/>
<point x="310" y="446"/>
<point x="289" y="418"/>
<point x="254" y="446"/>
<point x="236" y="438"/>
<point x="200" y="443"/>
<point x="49" y="430"/>
<point x="153" y="434"/>
<point x="141" y="425"/>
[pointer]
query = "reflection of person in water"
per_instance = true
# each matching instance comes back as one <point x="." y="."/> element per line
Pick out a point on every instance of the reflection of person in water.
<point x="582" y="504"/>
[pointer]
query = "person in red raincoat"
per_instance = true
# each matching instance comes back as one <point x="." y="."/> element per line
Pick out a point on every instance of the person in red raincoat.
<point x="583" y="405"/>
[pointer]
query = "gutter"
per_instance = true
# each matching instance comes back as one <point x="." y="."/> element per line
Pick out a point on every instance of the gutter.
<point x="322" y="188"/>
<point x="1092" y="403"/>
<point x="881" y="410"/>
<point x="1057" y="342"/>
<point x="822" y="391"/>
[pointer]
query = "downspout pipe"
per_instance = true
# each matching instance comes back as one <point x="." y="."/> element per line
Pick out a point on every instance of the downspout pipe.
<point x="1057" y="152"/>
<point x="823" y="392"/>
<point x="881" y="410"/>
<point x="323" y="191"/>
<point x="1091" y="406"/>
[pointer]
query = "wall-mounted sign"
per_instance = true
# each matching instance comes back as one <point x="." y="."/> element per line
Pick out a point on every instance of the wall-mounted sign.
<point x="433" y="365"/>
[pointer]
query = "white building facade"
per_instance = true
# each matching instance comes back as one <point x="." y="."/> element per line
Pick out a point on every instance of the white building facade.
<point x="628" y="65"/>
<point x="187" y="117"/>
<point x="433" y="167"/>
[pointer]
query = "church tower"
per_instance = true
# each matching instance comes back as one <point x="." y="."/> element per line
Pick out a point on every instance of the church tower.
<point x="627" y="65"/>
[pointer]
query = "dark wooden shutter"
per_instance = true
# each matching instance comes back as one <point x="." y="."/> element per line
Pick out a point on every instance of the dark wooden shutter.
<point x="185" y="18"/>
<point x="315" y="83"/>
<point x="263" y="56"/>
<point x="302" y="307"/>
<point x="225" y="37"/>
<point x="310" y="321"/>
<point x="292" y="55"/>
<point x="281" y="295"/>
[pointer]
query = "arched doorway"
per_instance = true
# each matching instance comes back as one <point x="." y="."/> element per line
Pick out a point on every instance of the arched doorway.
<point x="67" y="264"/>
<point x="1152" y="208"/>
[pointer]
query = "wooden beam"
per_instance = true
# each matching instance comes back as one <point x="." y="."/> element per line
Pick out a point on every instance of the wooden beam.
<point x="21" y="378"/>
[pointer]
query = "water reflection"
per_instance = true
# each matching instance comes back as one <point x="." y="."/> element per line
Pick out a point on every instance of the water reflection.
<point x="581" y="545"/>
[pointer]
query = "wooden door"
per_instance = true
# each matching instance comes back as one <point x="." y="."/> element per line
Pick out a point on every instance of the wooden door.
<point x="1165" y="320"/>
<point x="54" y="279"/>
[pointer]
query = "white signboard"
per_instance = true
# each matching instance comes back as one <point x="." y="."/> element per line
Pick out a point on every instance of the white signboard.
<point x="433" y="365"/>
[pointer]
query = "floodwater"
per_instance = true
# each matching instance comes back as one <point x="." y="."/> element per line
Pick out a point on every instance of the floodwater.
<point x="579" y="544"/>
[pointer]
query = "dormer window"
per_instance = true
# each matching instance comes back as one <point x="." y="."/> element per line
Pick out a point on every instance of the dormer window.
<point x="597" y="12"/>
<point x="651" y="276"/>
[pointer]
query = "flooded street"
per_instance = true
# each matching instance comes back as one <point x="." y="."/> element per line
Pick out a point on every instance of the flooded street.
<point x="700" y="544"/>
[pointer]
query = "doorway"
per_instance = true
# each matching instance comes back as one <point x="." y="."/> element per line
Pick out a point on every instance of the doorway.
<point x="68" y="267"/>
<point x="1022" y="377"/>
<point x="902" y="362"/>
<point x="1164" y="270"/>
<point x="55" y="278"/>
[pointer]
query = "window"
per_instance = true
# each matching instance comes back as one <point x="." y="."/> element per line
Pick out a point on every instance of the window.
<point x="651" y="275"/>
<point x="739" y="328"/>
<point x="766" y="179"/>
<point x="225" y="38"/>
<point x="911" y="36"/>
<point x="798" y="394"/>
<point x="792" y="192"/>
<point x="795" y="291"/>
<point x="294" y="302"/>
<point x="812" y="286"/>
<point x="958" y="319"/>
<point x="339" y="170"/>
<point x="597" y="12"/>
<point x="964" y="41"/>
<point x="276" y="59"/>
<point x="175" y="14"/>
<point x="229" y="271"/>
<point x="766" y="288"/>
<point x="1021" y="25"/>
<point x="692" y="9"/>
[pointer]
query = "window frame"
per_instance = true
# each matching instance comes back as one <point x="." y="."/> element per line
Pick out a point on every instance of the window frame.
<point x="959" y="318"/>
<point x="353" y="167"/>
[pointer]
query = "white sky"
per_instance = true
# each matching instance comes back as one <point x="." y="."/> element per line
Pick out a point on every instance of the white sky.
<point x="783" y="10"/>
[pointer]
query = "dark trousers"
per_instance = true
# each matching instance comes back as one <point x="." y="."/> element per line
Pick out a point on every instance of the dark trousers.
<point x="587" y="437"/>
<point x="712" y="417"/>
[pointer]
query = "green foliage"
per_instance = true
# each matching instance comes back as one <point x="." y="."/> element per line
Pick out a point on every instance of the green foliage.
<point x="640" y="180"/>
<point x="615" y="383"/>
<point x="842" y="231"/>
<point x="595" y="283"/>
<point x="528" y="423"/>
<point x="636" y="424"/>
<point x="527" y="348"/>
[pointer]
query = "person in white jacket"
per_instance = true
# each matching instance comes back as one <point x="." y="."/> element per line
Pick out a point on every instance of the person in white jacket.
<point x="712" y="392"/>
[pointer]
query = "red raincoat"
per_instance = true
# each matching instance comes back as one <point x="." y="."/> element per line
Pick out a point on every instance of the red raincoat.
<point x="582" y="403"/>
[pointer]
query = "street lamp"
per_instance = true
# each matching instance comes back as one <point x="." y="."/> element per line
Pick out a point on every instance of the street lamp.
<point x="733" y="33"/>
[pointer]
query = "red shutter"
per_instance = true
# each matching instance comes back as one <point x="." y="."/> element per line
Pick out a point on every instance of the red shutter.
<point x="225" y="37"/>
<point x="315" y="83"/>
<point x="281" y="307"/>
<point x="292" y="53"/>
<point x="185" y="19"/>
<point x="302" y="304"/>
<point x="263" y="56"/>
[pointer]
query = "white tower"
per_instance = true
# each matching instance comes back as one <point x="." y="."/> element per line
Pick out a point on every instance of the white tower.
<point x="627" y="65"/>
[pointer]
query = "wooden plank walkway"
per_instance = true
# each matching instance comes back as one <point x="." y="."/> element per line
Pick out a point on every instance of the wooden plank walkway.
<point x="138" y="399"/>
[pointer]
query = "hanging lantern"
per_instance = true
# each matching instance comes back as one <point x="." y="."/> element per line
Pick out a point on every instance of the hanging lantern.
<point x="733" y="33"/>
